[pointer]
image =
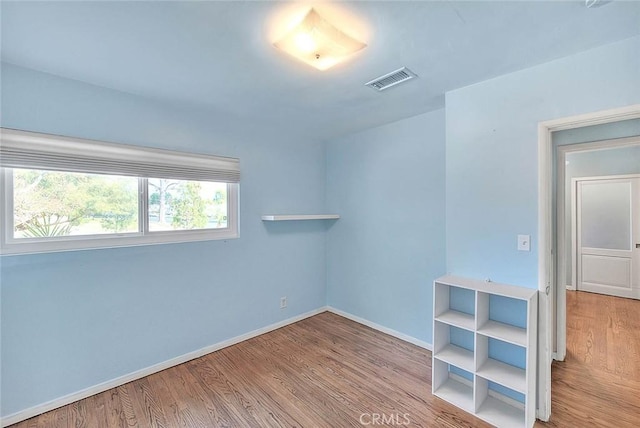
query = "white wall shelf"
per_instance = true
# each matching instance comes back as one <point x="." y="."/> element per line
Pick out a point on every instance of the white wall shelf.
<point x="293" y="217"/>
<point x="474" y="358"/>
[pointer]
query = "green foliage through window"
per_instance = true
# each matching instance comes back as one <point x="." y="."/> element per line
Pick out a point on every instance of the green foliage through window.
<point x="49" y="203"/>
<point x="186" y="205"/>
<point x="55" y="204"/>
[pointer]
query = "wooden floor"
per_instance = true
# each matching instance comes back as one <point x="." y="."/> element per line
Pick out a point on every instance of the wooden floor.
<point x="598" y="384"/>
<point x="327" y="371"/>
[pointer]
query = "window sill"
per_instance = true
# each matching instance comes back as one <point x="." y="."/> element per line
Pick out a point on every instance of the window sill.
<point x="18" y="247"/>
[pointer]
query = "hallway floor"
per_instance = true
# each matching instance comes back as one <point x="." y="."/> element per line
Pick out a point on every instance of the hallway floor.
<point x="598" y="384"/>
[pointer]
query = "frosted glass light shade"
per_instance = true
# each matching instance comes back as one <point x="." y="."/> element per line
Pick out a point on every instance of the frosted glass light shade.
<point x="318" y="43"/>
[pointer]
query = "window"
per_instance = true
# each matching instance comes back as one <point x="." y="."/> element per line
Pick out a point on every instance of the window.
<point x="48" y="204"/>
<point x="65" y="194"/>
<point x="185" y="205"/>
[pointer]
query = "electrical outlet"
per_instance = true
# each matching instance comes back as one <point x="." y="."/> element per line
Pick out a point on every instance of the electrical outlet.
<point x="283" y="302"/>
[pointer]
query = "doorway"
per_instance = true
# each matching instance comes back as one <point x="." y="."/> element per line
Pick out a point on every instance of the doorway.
<point x="552" y="298"/>
<point x="579" y="160"/>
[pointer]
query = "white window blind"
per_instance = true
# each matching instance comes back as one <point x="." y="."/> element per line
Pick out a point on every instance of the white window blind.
<point x="21" y="149"/>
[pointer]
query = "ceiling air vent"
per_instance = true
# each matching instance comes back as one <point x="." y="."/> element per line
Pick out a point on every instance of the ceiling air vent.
<point x="391" y="79"/>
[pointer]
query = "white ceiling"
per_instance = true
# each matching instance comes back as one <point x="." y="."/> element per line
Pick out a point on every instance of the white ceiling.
<point x="219" y="55"/>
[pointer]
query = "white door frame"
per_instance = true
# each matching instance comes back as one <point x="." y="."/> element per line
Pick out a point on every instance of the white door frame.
<point x="546" y="268"/>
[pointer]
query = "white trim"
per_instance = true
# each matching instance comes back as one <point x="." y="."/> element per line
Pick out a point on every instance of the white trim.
<point x="593" y="118"/>
<point x="594" y="146"/>
<point x="562" y="296"/>
<point x="104" y="386"/>
<point x="546" y="268"/>
<point x="607" y="177"/>
<point x="545" y="260"/>
<point x="386" y="330"/>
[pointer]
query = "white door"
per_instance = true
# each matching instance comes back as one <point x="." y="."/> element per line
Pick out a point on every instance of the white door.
<point x="608" y="236"/>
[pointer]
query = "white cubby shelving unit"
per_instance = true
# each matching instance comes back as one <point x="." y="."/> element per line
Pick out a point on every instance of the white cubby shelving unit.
<point x="295" y="217"/>
<point x="484" y="349"/>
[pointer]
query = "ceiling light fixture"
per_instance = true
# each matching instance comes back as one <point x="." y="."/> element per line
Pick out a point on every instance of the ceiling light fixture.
<point x="318" y="43"/>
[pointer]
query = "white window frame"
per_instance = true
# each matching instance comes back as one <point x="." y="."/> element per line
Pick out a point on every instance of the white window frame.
<point x="10" y="245"/>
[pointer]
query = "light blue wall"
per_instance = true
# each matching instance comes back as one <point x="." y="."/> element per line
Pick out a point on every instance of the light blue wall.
<point x="623" y="160"/>
<point x="387" y="183"/>
<point x="605" y="131"/>
<point x="492" y="176"/>
<point x="73" y="320"/>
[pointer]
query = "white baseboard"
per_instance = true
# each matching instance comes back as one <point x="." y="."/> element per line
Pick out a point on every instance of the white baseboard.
<point x="381" y="328"/>
<point x="96" y="389"/>
<point x="571" y="287"/>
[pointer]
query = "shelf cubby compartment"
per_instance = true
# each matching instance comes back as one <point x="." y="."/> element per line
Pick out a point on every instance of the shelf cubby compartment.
<point x="496" y="407"/>
<point x="459" y="314"/>
<point x="453" y="384"/>
<point x="454" y="346"/>
<point x="504" y="374"/>
<point x="490" y="363"/>
<point x="502" y="318"/>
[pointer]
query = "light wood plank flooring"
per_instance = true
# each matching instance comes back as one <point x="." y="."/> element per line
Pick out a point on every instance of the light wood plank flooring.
<point x="327" y="371"/>
<point x="598" y="384"/>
